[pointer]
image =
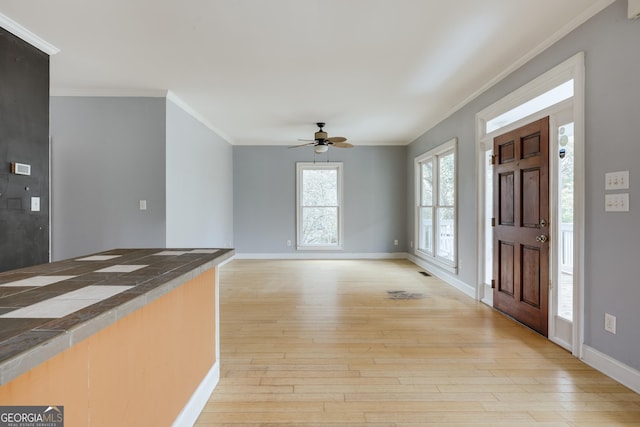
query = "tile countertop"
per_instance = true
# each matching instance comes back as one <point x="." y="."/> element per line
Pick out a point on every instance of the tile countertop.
<point x="47" y="308"/>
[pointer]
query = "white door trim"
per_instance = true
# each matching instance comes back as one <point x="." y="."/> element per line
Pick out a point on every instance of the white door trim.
<point x="572" y="68"/>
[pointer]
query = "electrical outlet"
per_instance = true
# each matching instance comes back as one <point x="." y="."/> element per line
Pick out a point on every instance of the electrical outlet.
<point x="143" y="205"/>
<point x="610" y="323"/>
<point x="288" y="242"/>
<point x="395" y="242"/>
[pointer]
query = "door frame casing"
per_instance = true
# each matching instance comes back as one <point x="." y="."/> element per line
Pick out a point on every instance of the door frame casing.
<point x="572" y="68"/>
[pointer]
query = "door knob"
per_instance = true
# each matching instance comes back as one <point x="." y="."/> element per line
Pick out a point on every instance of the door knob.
<point x="541" y="238"/>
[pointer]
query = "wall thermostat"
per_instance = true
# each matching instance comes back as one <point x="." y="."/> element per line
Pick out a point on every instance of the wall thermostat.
<point x="20" y="168"/>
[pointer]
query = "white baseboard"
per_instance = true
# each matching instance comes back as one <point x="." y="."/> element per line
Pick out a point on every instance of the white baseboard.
<point x="444" y="275"/>
<point x="194" y="407"/>
<point x="611" y="367"/>
<point x="324" y="255"/>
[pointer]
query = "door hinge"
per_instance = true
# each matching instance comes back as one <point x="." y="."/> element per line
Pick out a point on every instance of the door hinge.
<point x="492" y="160"/>
<point x="493" y="283"/>
<point x="493" y="222"/>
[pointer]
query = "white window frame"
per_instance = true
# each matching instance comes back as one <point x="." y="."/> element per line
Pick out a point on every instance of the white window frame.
<point x="448" y="147"/>
<point x="300" y="167"/>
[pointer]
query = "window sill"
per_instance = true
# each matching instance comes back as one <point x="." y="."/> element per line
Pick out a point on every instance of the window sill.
<point x="320" y="248"/>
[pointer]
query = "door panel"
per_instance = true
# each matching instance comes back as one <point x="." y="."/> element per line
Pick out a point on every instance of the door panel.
<point x="520" y="235"/>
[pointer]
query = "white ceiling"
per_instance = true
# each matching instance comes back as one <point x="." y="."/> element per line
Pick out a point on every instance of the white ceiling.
<point x="263" y="72"/>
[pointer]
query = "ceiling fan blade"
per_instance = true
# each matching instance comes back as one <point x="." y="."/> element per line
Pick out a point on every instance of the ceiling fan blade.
<point x="302" y="145"/>
<point x="342" y="145"/>
<point x="335" y="139"/>
<point x="307" y="140"/>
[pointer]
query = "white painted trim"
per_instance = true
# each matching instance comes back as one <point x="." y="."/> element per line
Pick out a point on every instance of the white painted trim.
<point x="226" y="261"/>
<point x="19" y="31"/>
<point x="559" y="74"/>
<point x="434" y="155"/>
<point x="444" y="276"/>
<point x="199" y="398"/>
<point x="572" y="68"/>
<point x="624" y="374"/>
<point x="579" y="210"/>
<point x="323" y="255"/>
<point x="300" y="168"/>
<point x="171" y="96"/>
<point x="106" y="93"/>
<point x="140" y="93"/>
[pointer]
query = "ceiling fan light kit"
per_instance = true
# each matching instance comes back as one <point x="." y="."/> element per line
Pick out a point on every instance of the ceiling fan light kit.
<point x="321" y="141"/>
<point x="319" y="149"/>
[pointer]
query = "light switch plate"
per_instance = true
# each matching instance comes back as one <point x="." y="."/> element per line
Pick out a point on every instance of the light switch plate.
<point x="616" y="202"/>
<point x="35" y="204"/>
<point x="616" y="180"/>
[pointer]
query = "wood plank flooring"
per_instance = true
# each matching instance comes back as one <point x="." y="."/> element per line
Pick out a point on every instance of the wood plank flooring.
<point x="311" y="343"/>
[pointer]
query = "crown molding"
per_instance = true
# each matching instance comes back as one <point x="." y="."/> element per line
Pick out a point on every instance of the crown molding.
<point x="171" y="96"/>
<point x="19" y="31"/>
<point x="528" y="56"/>
<point x="117" y="93"/>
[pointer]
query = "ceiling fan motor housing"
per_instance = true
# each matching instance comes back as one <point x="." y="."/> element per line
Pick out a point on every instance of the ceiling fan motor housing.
<point x="320" y="136"/>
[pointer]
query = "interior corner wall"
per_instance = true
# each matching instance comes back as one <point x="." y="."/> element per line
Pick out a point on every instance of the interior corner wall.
<point x="612" y="108"/>
<point x="199" y="183"/>
<point x="107" y="154"/>
<point x="265" y="198"/>
<point x="24" y="138"/>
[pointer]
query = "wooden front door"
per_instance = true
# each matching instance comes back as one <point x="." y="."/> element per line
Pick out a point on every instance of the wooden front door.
<point x="521" y="224"/>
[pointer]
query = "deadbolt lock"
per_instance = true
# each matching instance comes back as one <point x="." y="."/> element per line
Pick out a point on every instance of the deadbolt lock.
<point x="543" y="223"/>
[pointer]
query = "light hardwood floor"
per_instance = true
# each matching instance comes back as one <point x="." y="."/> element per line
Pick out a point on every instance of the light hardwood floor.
<point x="312" y="343"/>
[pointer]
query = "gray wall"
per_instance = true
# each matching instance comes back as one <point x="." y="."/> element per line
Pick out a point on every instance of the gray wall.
<point x="610" y="43"/>
<point x="264" y="184"/>
<point x="199" y="183"/>
<point x="107" y="154"/>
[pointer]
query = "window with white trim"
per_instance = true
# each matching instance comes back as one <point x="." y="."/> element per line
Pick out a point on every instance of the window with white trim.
<point x="319" y="206"/>
<point x="436" y="214"/>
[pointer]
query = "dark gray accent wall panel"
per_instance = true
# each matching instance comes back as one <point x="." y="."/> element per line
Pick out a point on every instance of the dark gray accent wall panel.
<point x="24" y="138"/>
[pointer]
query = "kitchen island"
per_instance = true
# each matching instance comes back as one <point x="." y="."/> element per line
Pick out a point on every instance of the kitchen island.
<point x="121" y="337"/>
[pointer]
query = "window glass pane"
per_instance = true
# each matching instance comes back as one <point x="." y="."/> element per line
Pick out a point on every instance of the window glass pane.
<point x="565" y="290"/>
<point x="488" y="229"/>
<point x="320" y="187"/>
<point x="427" y="183"/>
<point x="425" y="237"/>
<point x="446" y="233"/>
<point x="547" y="99"/>
<point x="446" y="180"/>
<point x="320" y="226"/>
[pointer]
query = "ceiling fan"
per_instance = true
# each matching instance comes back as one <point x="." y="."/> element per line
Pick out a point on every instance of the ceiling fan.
<point x="321" y="141"/>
